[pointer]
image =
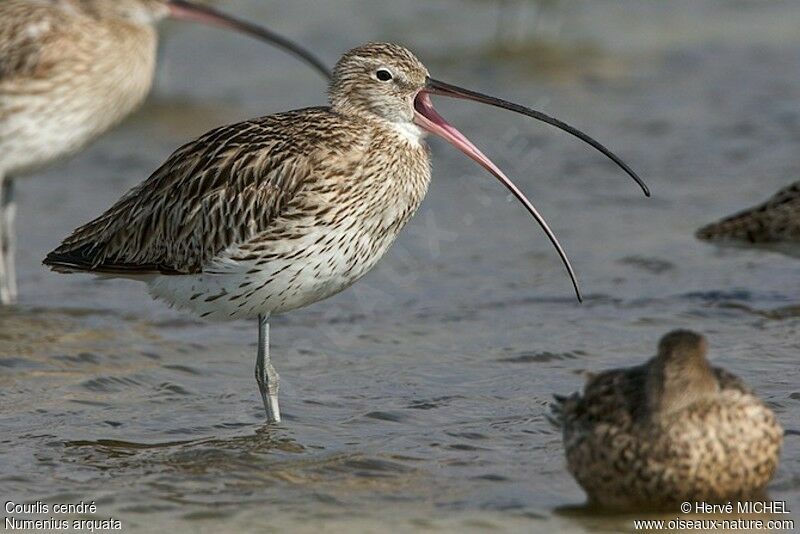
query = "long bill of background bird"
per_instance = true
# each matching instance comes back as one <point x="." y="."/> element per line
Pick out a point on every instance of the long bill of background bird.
<point x="427" y="118"/>
<point x="181" y="9"/>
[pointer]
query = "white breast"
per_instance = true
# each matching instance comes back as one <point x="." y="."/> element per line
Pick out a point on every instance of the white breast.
<point x="409" y="131"/>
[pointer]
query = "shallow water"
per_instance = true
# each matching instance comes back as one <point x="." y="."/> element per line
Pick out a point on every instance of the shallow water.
<point x="417" y="399"/>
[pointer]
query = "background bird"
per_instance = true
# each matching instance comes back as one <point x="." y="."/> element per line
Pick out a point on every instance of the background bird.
<point x="272" y="214"/>
<point x="671" y="430"/>
<point x="775" y="221"/>
<point x="72" y="69"/>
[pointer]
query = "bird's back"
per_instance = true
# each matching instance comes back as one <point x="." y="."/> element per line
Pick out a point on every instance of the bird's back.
<point x="214" y="191"/>
<point x="711" y="449"/>
<point x="778" y="219"/>
<point x="258" y="217"/>
<point x="231" y="184"/>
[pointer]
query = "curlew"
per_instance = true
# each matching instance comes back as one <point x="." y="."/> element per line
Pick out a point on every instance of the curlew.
<point x="72" y="69"/>
<point x="775" y="221"/>
<point x="674" y="429"/>
<point x="272" y="214"/>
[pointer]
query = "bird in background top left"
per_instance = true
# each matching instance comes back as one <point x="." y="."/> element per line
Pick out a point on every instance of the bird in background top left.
<point x="72" y="69"/>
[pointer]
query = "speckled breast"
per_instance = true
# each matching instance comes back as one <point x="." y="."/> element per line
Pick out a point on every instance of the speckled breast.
<point x="330" y="235"/>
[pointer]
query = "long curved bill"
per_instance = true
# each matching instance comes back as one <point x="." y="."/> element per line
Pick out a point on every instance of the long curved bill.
<point x="182" y="9"/>
<point x="436" y="87"/>
<point x="427" y="118"/>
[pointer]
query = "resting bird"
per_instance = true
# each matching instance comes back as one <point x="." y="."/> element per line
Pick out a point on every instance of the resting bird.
<point x="775" y="221"/>
<point x="69" y="71"/>
<point x="272" y="214"/>
<point x="671" y="430"/>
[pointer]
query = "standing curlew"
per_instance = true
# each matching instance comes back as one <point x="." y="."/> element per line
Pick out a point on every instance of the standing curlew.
<point x="272" y="214"/>
<point x="70" y="70"/>
<point x="674" y="429"/>
<point x="775" y="221"/>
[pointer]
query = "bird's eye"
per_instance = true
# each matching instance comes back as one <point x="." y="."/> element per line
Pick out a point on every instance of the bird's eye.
<point x="383" y="75"/>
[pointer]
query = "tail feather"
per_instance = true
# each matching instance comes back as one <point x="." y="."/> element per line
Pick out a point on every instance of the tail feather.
<point x="84" y="259"/>
<point x="557" y="407"/>
<point x="67" y="260"/>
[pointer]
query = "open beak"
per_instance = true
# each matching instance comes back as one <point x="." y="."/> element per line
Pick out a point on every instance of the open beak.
<point x="182" y="9"/>
<point x="427" y="118"/>
<point x="436" y="87"/>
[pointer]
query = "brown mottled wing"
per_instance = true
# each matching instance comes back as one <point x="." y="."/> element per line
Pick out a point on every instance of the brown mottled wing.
<point x="618" y="397"/>
<point x="212" y="193"/>
<point x="778" y="219"/>
<point x="614" y="396"/>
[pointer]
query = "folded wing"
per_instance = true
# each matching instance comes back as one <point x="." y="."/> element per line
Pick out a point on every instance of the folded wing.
<point x="210" y="194"/>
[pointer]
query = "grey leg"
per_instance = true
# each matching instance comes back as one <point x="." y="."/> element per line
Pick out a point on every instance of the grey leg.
<point x="8" y="208"/>
<point x="266" y="376"/>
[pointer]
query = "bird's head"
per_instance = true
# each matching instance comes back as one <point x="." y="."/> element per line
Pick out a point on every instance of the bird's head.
<point x="378" y="79"/>
<point x="679" y="374"/>
<point x="386" y="81"/>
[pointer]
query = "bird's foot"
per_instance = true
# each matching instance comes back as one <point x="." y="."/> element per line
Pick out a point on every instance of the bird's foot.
<point x="271" y="407"/>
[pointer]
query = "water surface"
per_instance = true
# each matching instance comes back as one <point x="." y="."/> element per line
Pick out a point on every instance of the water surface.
<point x="417" y="399"/>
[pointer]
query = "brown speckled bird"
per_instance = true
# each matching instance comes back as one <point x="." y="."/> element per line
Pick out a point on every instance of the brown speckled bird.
<point x="69" y="71"/>
<point x="775" y="221"/>
<point x="671" y="430"/>
<point x="272" y="214"/>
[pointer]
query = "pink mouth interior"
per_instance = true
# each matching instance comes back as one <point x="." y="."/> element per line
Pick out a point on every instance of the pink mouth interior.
<point x="429" y="119"/>
<point x="178" y="11"/>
